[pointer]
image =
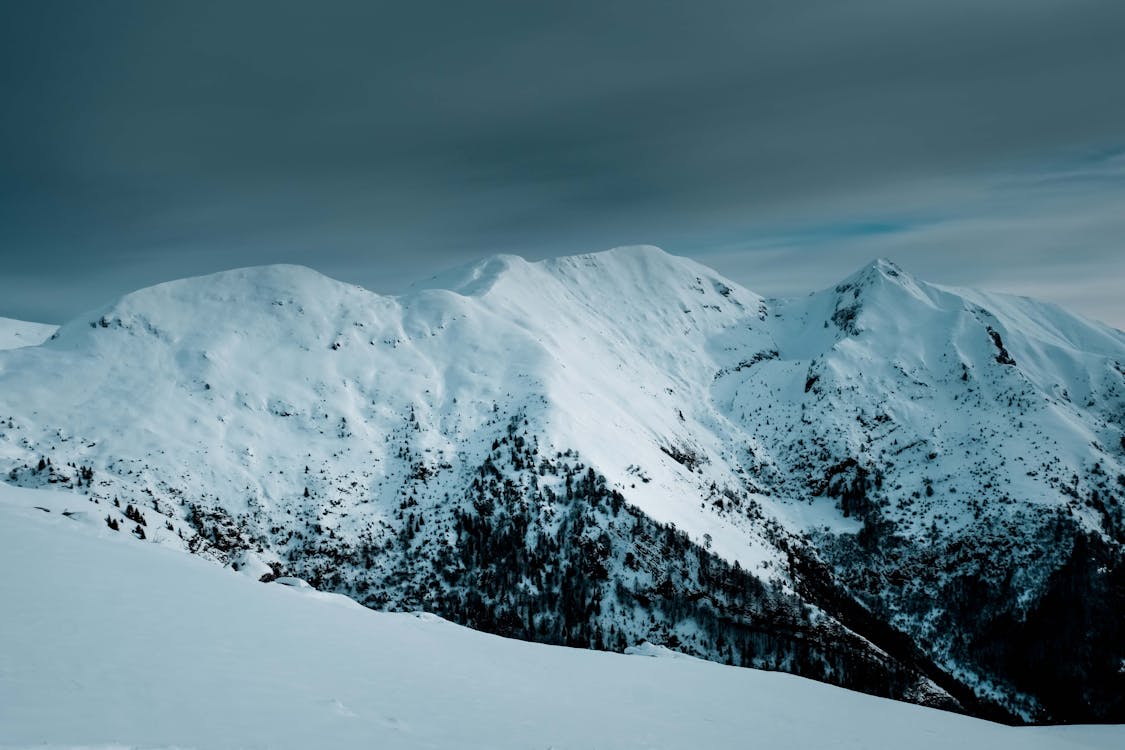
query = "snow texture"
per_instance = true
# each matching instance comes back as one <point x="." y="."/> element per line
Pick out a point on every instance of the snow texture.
<point x="17" y="333"/>
<point x="107" y="643"/>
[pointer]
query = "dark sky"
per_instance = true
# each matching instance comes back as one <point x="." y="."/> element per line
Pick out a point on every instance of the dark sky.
<point x="783" y="142"/>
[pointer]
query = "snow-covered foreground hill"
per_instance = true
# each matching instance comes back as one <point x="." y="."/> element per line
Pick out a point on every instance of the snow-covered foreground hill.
<point x="888" y="485"/>
<point x="108" y="643"/>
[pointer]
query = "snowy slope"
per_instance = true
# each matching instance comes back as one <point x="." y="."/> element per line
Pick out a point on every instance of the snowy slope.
<point x="114" y="644"/>
<point x="579" y="450"/>
<point x="17" y="333"/>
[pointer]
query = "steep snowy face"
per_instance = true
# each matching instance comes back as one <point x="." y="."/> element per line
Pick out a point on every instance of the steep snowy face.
<point x="250" y="372"/>
<point x="934" y="386"/>
<point x="627" y="363"/>
<point x="978" y="438"/>
<point x="609" y="448"/>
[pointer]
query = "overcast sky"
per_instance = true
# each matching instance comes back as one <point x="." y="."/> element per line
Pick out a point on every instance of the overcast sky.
<point x="784" y="142"/>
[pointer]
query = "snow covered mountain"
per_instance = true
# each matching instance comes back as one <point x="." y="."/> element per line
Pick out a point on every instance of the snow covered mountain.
<point x="108" y="643"/>
<point x="889" y="485"/>
<point x="17" y="333"/>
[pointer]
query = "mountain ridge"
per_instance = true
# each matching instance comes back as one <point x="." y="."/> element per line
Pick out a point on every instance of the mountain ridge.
<point x="624" y="446"/>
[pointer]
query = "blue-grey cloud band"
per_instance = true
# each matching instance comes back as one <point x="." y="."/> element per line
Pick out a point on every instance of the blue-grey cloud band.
<point x="377" y="141"/>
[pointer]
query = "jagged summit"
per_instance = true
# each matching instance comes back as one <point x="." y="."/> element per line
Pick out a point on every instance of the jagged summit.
<point x="882" y="277"/>
<point x="879" y="268"/>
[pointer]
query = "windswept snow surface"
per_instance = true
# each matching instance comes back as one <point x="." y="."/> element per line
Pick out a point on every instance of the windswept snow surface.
<point x="17" y="333"/>
<point x="108" y="643"/>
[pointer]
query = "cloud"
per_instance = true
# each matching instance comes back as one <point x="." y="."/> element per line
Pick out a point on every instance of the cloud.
<point x="377" y="141"/>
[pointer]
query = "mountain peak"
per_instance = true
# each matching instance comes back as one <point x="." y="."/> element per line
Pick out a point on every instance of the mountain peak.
<point x="247" y="284"/>
<point x="886" y="265"/>
<point x="879" y="285"/>
<point x="629" y="260"/>
<point x="876" y="271"/>
<point x="878" y="277"/>
<point x="634" y="266"/>
<point x="472" y="279"/>
<point x="647" y="260"/>
<point x="633" y="252"/>
<point x="275" y="276"/>
<point x="274" y="416"/>
<point x="235" y="299"/>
